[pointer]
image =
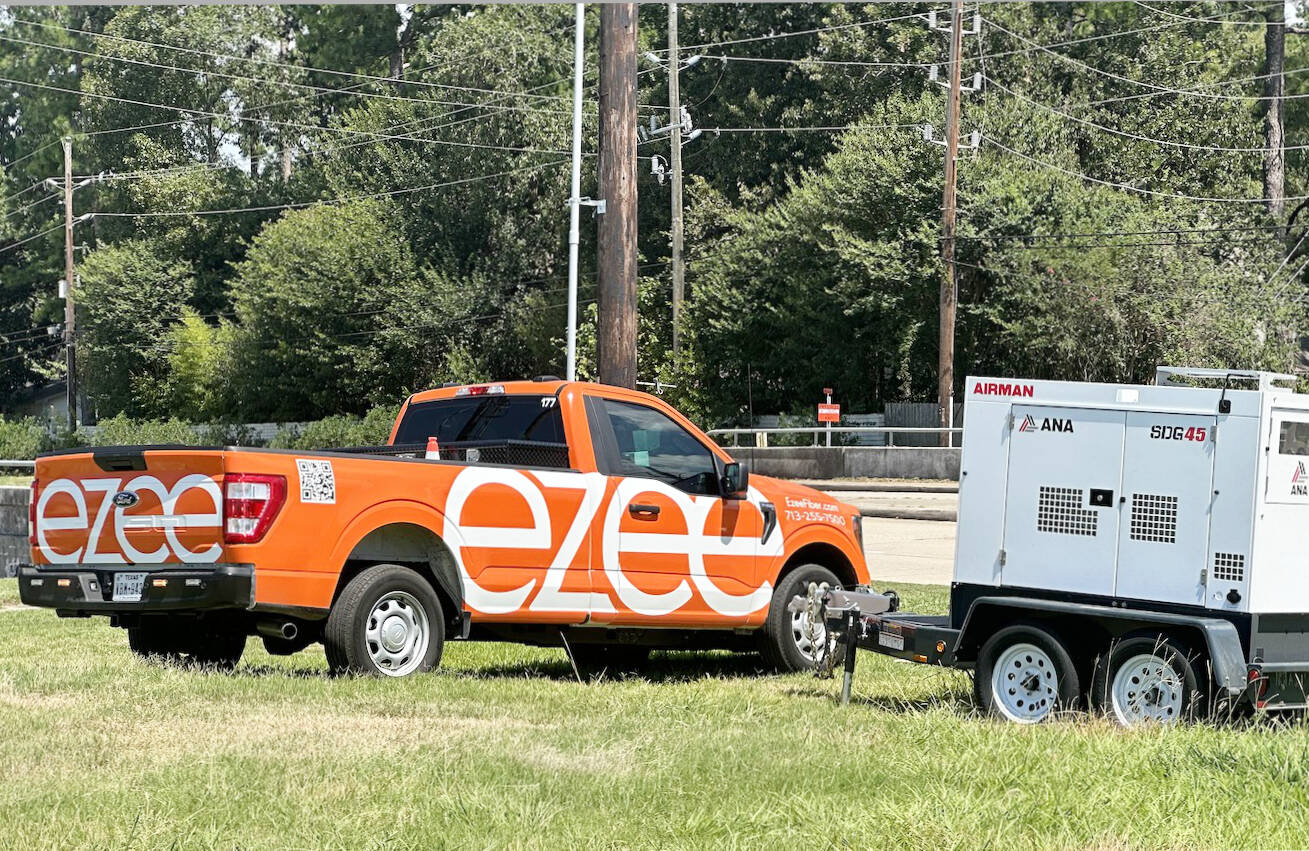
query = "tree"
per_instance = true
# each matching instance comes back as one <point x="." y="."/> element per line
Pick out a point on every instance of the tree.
<point x="130" y="295"/>
<point x="334" y="314"/>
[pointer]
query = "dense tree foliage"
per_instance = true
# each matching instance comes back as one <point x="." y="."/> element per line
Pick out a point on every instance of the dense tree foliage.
<point x="299" y="211"/>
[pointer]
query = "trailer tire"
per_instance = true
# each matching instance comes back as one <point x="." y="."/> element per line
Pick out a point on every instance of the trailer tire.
<point x="1149" y="678"/>
<point x="388" y="621"/>
<point x="779" y="640"/>
<point x="1024" y="674"/>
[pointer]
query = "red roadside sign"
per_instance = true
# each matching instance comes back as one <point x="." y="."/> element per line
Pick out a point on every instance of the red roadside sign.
<point x="829" y="412"/>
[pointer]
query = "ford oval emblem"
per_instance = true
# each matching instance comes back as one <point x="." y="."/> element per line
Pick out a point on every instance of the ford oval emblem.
<point x="126" y="499"/>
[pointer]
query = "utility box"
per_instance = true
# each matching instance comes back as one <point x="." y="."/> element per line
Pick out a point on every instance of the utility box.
<point x="1191" y="492"/>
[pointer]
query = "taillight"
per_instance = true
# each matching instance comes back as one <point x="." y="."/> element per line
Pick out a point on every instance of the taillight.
<point x="250" y="503"/>
<point x="31" y="516"/>
<point x="480" y="390"/>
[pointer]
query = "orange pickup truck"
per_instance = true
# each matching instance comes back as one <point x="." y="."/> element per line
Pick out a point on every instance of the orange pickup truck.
<point x="546" y="512"/>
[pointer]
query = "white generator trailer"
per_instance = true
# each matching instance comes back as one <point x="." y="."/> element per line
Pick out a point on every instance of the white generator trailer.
<point x="1143" y="550"/>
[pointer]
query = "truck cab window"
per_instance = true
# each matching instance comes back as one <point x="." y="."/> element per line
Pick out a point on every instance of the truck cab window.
<point x="653" y="446"/>
<point x="483" y="418"/>
<point x="1294" y="438"/>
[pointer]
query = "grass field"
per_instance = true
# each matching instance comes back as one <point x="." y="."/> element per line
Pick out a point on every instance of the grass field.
<point x="503" y="747"/>
<point x="21" y="481"/>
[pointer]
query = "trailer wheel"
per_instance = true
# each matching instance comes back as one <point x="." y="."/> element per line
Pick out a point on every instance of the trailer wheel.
<point x="788" y="640"/>
<point x="1024" y="674"/>
<point x="1148" y="678"/>
<point x="387" y="622"/>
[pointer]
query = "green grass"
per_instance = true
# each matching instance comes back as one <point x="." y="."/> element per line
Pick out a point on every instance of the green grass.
<point x="503" y="747"/>
<point x="21" y="481"/>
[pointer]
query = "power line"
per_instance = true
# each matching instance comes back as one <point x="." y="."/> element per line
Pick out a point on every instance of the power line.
<point x="775" y="36"/>
<point x="18" y="210"/>
<point x="271" y="62"/>
<point x="293" y="124"/>
<point x="807" y="61"/>
<point x="11" y="246"/>
<point x="312" y="88"/>
<point x="1089" y="234"/>
<point x="1120" y="77"/>
<point x="1129" y="187"/>
<point x="1136" y="136"/>
<point x="834" y="128"/>
<point x="1188" y="19"/>
<point x="341" y="200"/>
<point x="30" y="154"/>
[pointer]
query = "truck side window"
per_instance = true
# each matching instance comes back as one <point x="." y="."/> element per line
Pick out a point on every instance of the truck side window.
<point x="1294" y="439"/>
<point x="653" y="446"/>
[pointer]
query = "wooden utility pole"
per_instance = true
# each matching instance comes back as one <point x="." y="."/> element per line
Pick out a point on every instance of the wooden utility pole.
<point x="675" y="163"/>
<point x="945" y="365"/>
<point x="1274" y="106"/>
<point x="616" y="243"/>
<point x="70" y="286"/>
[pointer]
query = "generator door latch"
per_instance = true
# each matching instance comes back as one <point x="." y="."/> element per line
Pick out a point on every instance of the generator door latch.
<point x="1102" y="498"/>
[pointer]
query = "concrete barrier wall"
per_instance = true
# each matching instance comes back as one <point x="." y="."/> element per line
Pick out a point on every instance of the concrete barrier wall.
<point x="13" y="529"/>
<point x="839" y="462"/>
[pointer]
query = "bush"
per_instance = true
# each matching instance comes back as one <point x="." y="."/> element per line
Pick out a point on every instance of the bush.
<point x="372" y="429"/>
<point x="125" y="431"/>
<point x="22" y="439"/>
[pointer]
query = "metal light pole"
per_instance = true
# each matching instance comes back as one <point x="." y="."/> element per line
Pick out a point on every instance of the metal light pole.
<point x="575" y="199"/>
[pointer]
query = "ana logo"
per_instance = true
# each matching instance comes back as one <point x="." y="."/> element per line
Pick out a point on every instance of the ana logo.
<point x="1064" y="426"/>
<point x="1299" y="480"/>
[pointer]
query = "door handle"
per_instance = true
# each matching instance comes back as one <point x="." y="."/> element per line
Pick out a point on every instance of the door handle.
<point x="643" y="512"/>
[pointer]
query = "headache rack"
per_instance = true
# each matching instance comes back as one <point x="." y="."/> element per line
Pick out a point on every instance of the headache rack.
<point x="514" y="453"/>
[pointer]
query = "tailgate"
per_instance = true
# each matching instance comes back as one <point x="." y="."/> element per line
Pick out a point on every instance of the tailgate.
<point x="129" y="505"/>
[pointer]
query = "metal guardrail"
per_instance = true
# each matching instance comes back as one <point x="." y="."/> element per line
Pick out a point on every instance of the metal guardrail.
<point x="761" y="434"/>
<point x="17" y="465"/>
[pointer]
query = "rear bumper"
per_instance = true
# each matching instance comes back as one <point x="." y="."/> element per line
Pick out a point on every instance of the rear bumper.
<point x="88" y="589"/>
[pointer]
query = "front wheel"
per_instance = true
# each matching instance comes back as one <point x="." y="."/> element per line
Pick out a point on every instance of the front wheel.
<point x="1148" y="679"/>
<point x="793" y="641"/>
<point x="1024" y="674"/>
<point x="388" y="622"/>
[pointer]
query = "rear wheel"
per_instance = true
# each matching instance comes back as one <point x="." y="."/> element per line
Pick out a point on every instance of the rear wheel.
<point x="1148" y="678"/>
<point x="1024" y="674"/>
<point x="792" y="641"/>
<point x="388" y="622"/>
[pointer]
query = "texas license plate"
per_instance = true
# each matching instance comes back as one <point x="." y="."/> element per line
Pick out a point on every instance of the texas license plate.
<point x="893" y="640"/>
<point x="128" y="587"/>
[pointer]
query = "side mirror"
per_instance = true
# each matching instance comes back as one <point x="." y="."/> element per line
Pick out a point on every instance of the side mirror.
<point x="736" y="479"/>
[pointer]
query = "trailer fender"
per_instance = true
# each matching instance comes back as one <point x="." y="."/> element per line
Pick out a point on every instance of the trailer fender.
<point x="1221" y="639"/>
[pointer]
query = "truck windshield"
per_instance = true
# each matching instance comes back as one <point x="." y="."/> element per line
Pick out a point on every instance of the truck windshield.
<point x="483" y="418"/>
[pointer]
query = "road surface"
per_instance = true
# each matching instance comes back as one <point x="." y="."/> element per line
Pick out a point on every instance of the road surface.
<point x="920" y="551"/>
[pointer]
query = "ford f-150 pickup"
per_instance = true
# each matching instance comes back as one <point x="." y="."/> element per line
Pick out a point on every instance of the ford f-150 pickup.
<point x="547" y="512"/>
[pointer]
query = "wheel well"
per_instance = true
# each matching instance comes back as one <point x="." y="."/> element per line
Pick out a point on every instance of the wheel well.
<point x="826" y="555"/>
<point x="1085" y="637"/>
<point x="416" y="548"/>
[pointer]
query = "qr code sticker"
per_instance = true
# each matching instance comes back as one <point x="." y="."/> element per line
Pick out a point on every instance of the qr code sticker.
<point x="317" y="482"/>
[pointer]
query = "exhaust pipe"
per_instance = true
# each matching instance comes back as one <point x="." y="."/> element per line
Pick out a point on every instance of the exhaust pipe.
<point x="286" y="630"/>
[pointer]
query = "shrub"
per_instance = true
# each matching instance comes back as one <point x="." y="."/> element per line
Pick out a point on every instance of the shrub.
<point x="372" y="429"/>
<point x="125" y="431"/>
<point x="22" y="439"/>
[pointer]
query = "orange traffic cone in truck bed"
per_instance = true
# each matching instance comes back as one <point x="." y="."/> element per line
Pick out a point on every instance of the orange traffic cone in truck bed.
<point x="433" y="449"/>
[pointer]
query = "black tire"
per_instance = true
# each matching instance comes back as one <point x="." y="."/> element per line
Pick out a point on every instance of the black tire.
<point x="777" y="640"/>
<point x="181" y="642"/>
<point x="346" y="636"/>
<point x="599" y="660"/>
<point x="1040" y="684"/>
<point x="1168" y="695"/>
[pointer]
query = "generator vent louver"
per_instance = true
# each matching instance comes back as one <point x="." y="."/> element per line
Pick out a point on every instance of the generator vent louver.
<point x="1229" y="567"/>
<point x="1154" y="518"/>
<point x="1060" y="510"/>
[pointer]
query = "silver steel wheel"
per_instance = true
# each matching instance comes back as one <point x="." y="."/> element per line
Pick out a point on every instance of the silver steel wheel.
<point x="809" y="632"/>
<point x="397" y="633"/>
<point x="1024" y="683"/>
<point x="1146" y="688"/>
